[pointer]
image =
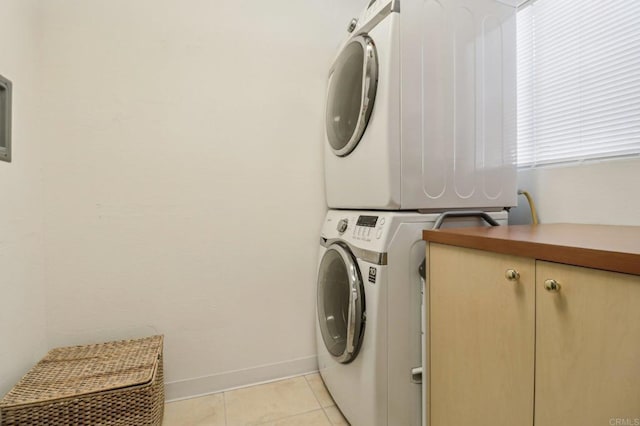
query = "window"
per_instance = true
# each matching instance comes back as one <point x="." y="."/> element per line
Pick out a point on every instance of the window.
<point x="578" y="80"/>
<point x="5" y="119"/>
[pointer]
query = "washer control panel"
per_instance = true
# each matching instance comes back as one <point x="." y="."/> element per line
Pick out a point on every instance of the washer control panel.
<point x="368" y="228"/>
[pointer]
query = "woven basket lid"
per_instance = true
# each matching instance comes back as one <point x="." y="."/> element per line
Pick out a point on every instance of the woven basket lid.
<point x="80" y="370"/>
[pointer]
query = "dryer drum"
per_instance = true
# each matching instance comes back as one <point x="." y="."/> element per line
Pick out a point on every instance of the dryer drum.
<point x="341" y="303"/>
<point x="352" y="91"/>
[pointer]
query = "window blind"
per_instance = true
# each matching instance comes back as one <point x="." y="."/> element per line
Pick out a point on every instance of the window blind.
<point x="578" y="80"/>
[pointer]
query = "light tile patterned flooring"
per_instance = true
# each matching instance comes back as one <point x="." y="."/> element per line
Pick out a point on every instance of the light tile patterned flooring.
<point x="299" y="401"/>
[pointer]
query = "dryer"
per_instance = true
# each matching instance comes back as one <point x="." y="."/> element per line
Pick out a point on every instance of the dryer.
<point x="369" y="313"/>
<point x="420" y="108"/>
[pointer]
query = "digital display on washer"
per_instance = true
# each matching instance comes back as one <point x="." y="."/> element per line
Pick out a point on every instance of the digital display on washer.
<point x="369" y="221"/>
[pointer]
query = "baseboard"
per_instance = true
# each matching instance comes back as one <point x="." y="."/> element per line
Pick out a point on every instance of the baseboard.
<point x="189" y="388"/>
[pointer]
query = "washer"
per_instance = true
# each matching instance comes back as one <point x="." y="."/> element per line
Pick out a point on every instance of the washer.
<point x="419" y="108"/>
<point x="369" y="310"/>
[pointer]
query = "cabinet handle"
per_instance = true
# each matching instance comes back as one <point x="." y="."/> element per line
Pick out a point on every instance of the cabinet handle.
<point x="552" y="286"/>
<point x="512" y="275"/>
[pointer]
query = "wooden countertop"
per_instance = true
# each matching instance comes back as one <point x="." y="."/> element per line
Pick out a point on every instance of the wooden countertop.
<point x="611" y="248"/>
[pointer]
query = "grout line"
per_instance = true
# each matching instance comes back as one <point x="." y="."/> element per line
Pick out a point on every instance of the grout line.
<point x="224" y="404"/>
<point x="319" y="408"/>
<point x="325" y="388"/>
<point x="339" y="412"/>
<point x="279" y="418"/>
<point x="314" y="394"/>
<point x="293" y="415"/>
<point x="327" y="416"/>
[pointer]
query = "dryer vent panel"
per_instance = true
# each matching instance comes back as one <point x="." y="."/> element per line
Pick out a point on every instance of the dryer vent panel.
<point x="5" y="119"/>
<point x="459" y="71"/>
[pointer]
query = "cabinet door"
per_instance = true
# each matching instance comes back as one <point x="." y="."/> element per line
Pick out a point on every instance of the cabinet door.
<point x="587" y="347"/>
<point x="481" y="338"/>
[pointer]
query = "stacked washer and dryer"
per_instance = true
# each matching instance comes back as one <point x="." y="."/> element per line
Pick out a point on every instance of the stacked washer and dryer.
<point x="420" y="133"/>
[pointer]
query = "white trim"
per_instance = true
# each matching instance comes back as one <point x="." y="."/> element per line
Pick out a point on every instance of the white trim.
<point x="513" y="3"/>
<point x="198" y="386"/>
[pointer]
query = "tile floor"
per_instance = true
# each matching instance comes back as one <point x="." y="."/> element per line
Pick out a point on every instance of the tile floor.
<point x="300" y="401"/>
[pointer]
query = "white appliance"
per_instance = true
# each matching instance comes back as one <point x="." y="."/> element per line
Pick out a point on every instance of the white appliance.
<point x="420" y="111"/>
<point x="369" y="310"/>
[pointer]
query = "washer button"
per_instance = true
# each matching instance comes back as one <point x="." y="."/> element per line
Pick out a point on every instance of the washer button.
<point x="379" y="234"/>
<point x="382" y="221"/>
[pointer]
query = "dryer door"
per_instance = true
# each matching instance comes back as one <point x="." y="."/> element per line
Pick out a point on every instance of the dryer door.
<point x="341" y="304"/>
<point x="353" y="82"/>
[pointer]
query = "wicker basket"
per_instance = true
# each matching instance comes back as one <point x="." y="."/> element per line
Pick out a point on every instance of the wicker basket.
<point x="116" y="383"/>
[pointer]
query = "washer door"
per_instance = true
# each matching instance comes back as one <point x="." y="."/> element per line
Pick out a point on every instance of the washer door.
<point x="341" y="304"/>
<point x="352" y="91"/>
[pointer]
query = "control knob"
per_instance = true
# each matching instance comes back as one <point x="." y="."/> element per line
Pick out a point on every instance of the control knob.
<point x="342" y="225"/>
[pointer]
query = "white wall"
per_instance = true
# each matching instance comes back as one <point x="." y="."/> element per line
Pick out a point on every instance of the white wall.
<point x="184" y="189"/>
<point x="22" y="328"/>
<point x="604" y="192"/>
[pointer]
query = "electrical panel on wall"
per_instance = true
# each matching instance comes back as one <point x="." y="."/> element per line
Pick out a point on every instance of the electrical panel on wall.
<point x="5" y="119"/>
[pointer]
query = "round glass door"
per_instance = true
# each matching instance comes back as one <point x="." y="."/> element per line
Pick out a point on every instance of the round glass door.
<point x="352" y="91"/>
<point x="341" y="304"/>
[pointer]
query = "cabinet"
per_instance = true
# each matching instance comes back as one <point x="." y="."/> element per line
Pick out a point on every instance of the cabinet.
<point x="507" y="346"/>
<point x="587" y="347"/>
<point x="481" y="334"/>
